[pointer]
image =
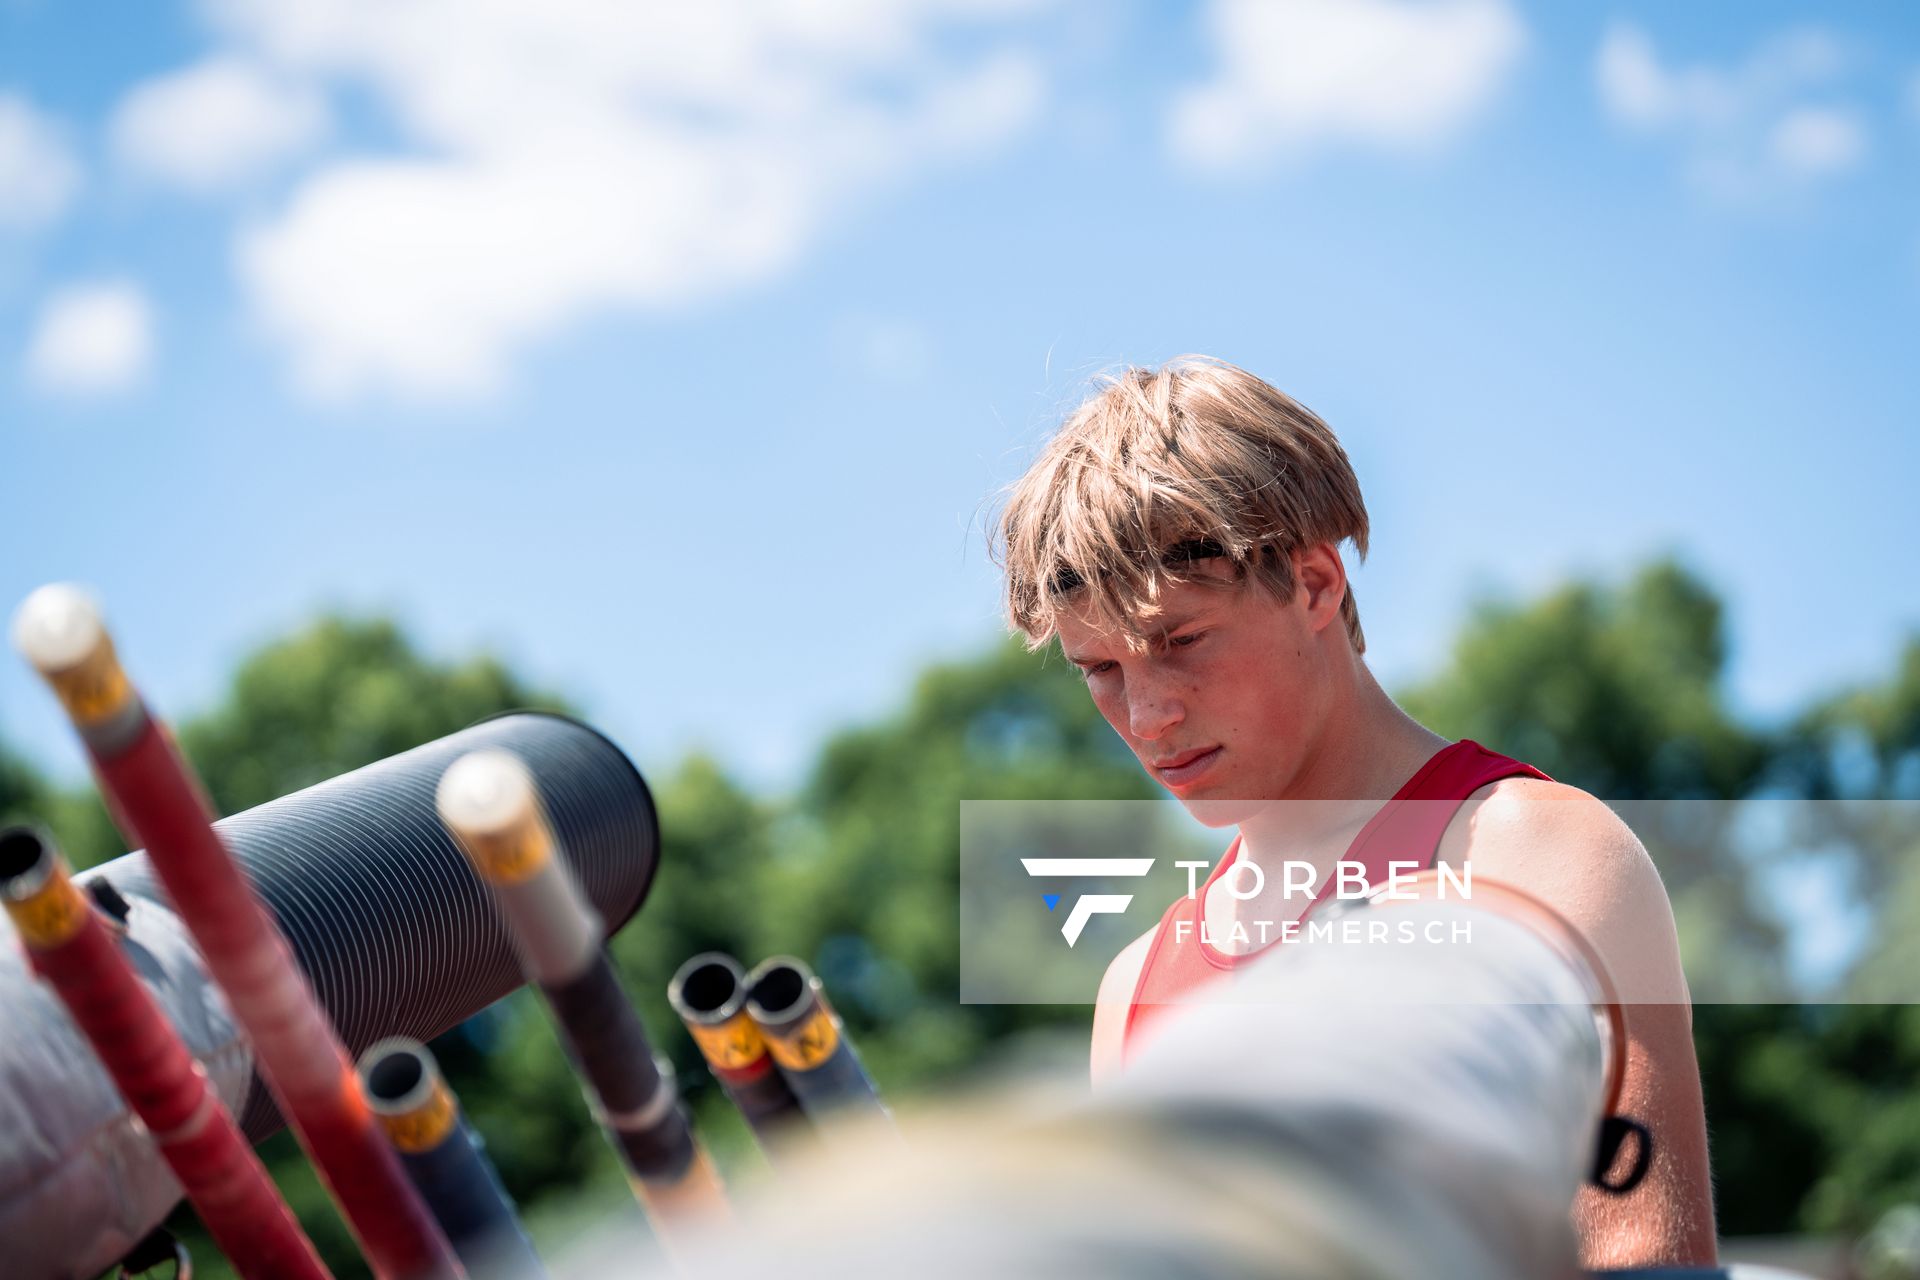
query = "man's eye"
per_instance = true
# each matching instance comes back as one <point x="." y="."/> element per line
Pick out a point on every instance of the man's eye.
<point x="1181" y="642"/>
<point x="1096" y="669"/>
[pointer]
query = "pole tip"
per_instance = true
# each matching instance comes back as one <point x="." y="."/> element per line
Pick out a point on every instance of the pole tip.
<point x="58" y="627"/>
<point x="400" y="1075"/>
<point x="484" y="792"/>
<point x="778" y="988"/>
<point x="27" y="861"/>
<point x="710" y="987"/>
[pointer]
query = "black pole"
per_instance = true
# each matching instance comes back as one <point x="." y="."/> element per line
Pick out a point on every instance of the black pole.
<point x="809" y="1044"/>
<point x="445" y="1161"/>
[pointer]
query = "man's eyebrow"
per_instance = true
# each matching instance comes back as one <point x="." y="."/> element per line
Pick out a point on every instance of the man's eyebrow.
<point x="1178" y="621"/>
<point x="1162" y="628"/>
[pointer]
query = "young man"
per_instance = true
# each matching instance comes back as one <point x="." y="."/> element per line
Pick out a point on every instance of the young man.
<point x="1180" y="536"/>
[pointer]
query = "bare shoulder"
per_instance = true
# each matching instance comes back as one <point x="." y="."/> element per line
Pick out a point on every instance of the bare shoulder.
<point x="1111" y="1005"/>
<point x="1533" y="830"/>
<point x="1572" y="851"/>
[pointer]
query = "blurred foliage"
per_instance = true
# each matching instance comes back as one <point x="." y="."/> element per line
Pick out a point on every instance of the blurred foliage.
<point x="23" y="798"/>
<point x="1617" y="691"/>
<point x="1865" y="742"/>
<point x="1617" y="688"/>
<point x="76" y="817"/>
<point x="337" y="695"/>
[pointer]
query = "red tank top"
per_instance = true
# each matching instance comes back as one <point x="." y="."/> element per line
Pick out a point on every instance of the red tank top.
<point x="1398" y="833"/>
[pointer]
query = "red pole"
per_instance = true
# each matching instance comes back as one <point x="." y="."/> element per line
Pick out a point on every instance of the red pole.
<point x="158" y="802"/>
<point x="73" y="949"/>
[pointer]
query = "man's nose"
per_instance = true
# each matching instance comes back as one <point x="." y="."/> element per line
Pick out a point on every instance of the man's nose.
<point x="1153" y="708"/>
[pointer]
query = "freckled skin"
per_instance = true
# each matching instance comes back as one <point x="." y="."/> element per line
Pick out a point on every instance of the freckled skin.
<point x="1230" y="671"/>
<point x="1275" y="683"/>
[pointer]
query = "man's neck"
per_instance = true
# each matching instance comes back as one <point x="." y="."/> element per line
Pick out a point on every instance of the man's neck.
<point x="1366" y="751"/>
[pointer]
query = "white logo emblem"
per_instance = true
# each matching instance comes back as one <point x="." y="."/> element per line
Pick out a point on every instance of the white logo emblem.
<point x="1088" y="905"/>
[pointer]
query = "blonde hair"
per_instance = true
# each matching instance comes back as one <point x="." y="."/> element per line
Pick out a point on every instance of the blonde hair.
<point x="1161" y="468"/>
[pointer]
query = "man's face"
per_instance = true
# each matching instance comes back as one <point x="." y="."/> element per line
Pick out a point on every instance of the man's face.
<point x="1223" y="707"/>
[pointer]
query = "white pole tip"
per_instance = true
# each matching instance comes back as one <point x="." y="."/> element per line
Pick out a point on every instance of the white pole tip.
<point x="484" y="792"/>
<point x="58" y="627"/>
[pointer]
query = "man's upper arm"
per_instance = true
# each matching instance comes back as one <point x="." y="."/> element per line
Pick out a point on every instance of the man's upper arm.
<point x="1111" y="1005"/>
<point x="1574" y="853"/>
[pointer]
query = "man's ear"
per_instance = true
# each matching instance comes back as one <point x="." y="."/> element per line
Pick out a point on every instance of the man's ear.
<point x="1320" y="582"/>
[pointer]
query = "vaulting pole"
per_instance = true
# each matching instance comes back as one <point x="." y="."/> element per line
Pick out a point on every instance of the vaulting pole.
<point x="489" y="802"/>
<point x="156" y="801"/>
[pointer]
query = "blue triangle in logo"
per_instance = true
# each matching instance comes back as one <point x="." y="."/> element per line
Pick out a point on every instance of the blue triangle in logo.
<point x="1051" y="899"/>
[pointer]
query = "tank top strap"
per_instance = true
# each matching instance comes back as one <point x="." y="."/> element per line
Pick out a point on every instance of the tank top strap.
<point x="1407" y="829"/>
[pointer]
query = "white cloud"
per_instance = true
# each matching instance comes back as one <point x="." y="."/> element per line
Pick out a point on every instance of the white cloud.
<point x="1639" y="91"/>
<point x="38" y="174"/>
<point x="92" y="339"/>
<point x="558" y="160"/>
<point x="216" y="124"/>
<point x="1817" y="141"/>
<point x="1743" y="129"/>
<point x="1299" y="74"/>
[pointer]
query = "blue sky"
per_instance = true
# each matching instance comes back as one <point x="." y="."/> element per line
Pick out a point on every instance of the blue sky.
<point x="680" y="367"/>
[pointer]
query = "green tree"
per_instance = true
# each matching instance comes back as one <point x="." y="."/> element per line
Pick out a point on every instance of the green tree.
<point x="336" y="695"/>
<point x="23" y="796"/>
<point x="75" y="816"/>
<point x="1616" y="690"/>
<point x="1865" y="741"/>
<point x="1855" y="751"/>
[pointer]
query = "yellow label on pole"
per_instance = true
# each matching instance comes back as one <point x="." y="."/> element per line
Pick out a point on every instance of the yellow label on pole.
<point x="427" y="1125"/>
<point x="93" y="689"/>
<point x="51" y="916"/>
<point x="510" y="856"/>
<point x="730" y="1045"/>
<point x="809" y="1046"/>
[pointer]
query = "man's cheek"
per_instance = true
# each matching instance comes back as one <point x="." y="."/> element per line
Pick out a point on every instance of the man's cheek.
<point x="1114" y="714"/>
